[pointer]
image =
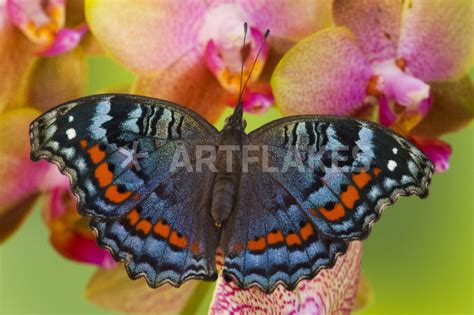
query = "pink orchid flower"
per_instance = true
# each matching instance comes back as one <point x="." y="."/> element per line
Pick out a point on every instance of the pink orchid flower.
<point x="32" y="35"/>
<point x="190" y="52"/>
<point x="23" y="184"/>
<point x="401" y="57"/>
<point x="31" y="32"/>
<point x="70" y="234"/>
<point x="44" y="25"/>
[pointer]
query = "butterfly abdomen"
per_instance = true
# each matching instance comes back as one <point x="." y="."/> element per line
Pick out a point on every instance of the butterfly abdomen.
<point x="227" y="180"/>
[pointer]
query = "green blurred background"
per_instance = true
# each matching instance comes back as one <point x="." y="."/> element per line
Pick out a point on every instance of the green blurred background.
<point x="418" y="259"/>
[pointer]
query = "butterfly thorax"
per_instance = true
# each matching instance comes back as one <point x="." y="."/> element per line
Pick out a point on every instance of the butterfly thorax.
<point x="229" y="166"/>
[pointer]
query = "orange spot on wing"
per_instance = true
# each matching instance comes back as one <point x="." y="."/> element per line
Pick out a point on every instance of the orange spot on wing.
<point x="96" y="154"/>
<point x="313" y="212"/>
<point x="115" y="196"/>
<point x="133" y="217"/>
<point x="83" y="143"/>
<point x="275" y="237"/>
<point x="144" y="226"/>
<point x="256" y="245"/>
<point x="350" y="196"/>
<point x="292" y="239"/>
<point x="377" y="171"/>
<point x="306" y="231"/>
<point x="361" y="179"/>
<point x="179" y="241"/>
<point x="103" y="175"/>
<point x="162" y="229"/>
<point x="334" y="214"/>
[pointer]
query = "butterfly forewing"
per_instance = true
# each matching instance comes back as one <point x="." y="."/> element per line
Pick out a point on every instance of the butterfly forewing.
<point x="117" y="151"/>
<point x="351" y="169"/>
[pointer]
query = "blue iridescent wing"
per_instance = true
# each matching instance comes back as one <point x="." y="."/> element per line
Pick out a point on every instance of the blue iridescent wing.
<point x="299" y="220"/>
<point x="117" y="151"/>
<point x="269" y="239"/>
<point x="359" y="168"/>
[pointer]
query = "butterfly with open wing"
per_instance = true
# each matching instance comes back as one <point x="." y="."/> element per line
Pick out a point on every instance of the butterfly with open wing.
<point x="274" y="227"/>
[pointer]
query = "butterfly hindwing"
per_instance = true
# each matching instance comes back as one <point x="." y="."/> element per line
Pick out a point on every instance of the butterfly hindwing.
<point x="269" y="239"/>
<point x="118" y="152"/>
<point x="358" y="168"/>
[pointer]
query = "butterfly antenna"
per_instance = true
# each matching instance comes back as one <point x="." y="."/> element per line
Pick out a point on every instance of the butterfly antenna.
<point x="239" y="109"/>
<point x="267" y="32"/>
<point x="242" y="65"/>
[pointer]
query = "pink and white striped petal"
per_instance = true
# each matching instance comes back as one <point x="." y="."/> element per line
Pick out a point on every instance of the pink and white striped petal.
<point x="332" y="291"/>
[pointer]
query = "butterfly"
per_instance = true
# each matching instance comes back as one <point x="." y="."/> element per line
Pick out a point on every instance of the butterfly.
<point x="274" y="227"/>
<point x="164" y="188"/>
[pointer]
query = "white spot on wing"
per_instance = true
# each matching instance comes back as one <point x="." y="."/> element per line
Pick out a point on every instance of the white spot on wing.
<point x="395" y="150"/>
<point x="70" y="118"/>
<point x="391" y="165"/>
<point x="71" y="133"/>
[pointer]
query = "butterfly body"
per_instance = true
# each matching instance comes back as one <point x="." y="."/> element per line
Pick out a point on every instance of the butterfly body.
<point x="280" y="213"/>
<point x="227" y="180"/>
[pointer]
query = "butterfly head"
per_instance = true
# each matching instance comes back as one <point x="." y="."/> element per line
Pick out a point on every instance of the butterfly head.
<point x="236" y="120"/>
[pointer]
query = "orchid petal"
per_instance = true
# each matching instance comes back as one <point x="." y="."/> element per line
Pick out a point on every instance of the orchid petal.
<point x="113" y="289"/>
<point x="15" y="58"/>
<point x="436" y="38"/>
<point x="292" y="20"/>
<point x="331" y="291"/>
<point x="53" y="81"/>
<point x="400" y="86"/>
<point x="226" y="62"/>
<point x="64" y="40"/>
<point x="70" y="233"/>
<point x="376" y="24"/>
<point x="257" y="98"/>
<point x="452" y="109"/>
<point x="38" y="23"/>
<point x="188" y="83"/>
<point x="146" y="36"/>
<point x="21" y="178"/>
<point x="438" y="152"/>
<point x="324" y="74"/>
<point x="386" y="114"/>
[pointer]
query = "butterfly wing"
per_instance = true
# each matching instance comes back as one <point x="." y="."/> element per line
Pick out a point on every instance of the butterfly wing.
<point x="269" y="239"/>
<point x="118" y="152"/>
<point x="289" y="224"/>
<point x="358" y="168"/>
